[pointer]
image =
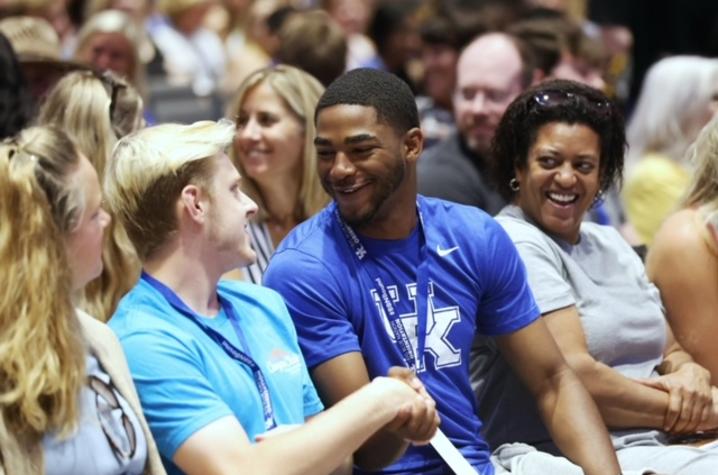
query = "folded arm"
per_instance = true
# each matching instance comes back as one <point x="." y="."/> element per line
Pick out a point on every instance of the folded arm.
<point x="622" y="401"/>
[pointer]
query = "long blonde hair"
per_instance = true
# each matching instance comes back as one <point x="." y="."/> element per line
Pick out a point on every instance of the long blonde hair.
<point x="703" y="189"/>
<point x="42" y="354"/>
<point x="300" y="92"/>
<point x="81" y="104"/>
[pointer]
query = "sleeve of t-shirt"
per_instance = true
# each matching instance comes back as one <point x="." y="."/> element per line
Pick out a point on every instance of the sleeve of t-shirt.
<point x="550" y="288"/>
<point x="312" y="404"/>
<point x="176" y="397"/>
<point x="507" y="305"/>
<point x="313" y="295"/>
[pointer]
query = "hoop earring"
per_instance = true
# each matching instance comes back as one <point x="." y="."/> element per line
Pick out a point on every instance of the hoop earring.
<point x="514" y="184"/>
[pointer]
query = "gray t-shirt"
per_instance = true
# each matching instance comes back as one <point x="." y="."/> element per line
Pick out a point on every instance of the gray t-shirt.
<point x="89" y="450"/>
<point x="451" y="172"/>
<point x="621" y="314"/>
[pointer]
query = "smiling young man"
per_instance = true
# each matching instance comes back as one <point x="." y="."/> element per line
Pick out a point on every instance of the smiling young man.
<point x="384" y="276"/>
<point x="217" y="364"/>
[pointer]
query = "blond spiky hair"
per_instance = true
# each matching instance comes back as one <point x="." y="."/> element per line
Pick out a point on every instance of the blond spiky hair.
<point x="148" y="170"/>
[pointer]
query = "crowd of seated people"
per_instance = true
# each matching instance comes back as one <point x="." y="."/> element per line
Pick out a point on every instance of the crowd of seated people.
<point x="332" y="237"/>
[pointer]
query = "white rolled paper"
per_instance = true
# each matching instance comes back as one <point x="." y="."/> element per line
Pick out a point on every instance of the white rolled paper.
<point x="451" y="455"/>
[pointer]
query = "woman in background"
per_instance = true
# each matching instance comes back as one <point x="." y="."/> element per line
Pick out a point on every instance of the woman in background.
<point x="96" y="110"/>
<point x="683" y="260"/>
<point x="193" y="54"/>
<point x="71" y="395"/>
<point x="111" y="40"/>
<point x="678" y="97"/>
<point x="274" y="152"/>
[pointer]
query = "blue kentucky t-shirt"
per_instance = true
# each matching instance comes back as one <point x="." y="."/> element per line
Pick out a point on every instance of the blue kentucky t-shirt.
<point x="477" y="283"/>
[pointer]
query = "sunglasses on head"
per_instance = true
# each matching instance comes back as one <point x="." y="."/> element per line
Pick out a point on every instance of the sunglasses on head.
<point x="559" y="98"/>
<point x="112" y="86"/>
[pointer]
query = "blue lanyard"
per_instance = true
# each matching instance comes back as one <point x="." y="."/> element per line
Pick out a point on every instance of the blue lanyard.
<point x="231" y="350"/>
<point x="416" y="362"/>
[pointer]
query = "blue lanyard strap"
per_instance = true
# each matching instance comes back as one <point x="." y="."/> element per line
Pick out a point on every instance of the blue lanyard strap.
<point x="414" y="361"/>
<point x="231" y="350"/>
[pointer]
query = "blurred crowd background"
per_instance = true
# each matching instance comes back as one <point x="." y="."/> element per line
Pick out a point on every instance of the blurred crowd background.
<point x="187" y="57"/>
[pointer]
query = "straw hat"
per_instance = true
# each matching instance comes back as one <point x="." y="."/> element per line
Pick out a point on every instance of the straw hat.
<point x="35" y="41"/>
<point x="175" y="7"/>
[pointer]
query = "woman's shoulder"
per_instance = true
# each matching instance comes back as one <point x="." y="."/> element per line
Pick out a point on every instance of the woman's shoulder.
<point x="100" y="338"/>
<point x="602" y="232"/>
<point x="92" y="327"/>
<point x="681" y="235"/>
<point x="519" y="228"/>
<point x="681" y="227"/>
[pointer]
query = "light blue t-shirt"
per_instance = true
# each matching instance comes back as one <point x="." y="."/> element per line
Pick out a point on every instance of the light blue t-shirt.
<point x="477" y="283"/>
<point x="186" y="381"/>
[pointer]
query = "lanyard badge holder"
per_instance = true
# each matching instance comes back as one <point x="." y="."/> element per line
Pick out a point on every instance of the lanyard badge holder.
<point x="443" y="446"/>
<point x="231" y="350"/>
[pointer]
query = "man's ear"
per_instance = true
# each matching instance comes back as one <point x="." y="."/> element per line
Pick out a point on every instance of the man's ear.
<point x="413" y="144"/>
<point x="193" y="203"/>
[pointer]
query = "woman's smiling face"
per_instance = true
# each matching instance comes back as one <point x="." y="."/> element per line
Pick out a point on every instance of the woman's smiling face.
<point x="561" y="178"/>
<point x="270" y="137"/>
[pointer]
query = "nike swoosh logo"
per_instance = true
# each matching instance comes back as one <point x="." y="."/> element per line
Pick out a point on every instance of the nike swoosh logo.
<point x="445" y="252"/>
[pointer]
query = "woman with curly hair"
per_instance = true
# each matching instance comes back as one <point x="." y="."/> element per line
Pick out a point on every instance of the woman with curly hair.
<point x="65" y="388"/>
<point x="558" y="147"/>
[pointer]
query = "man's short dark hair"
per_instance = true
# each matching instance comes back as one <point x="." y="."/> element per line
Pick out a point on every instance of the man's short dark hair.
<point x="385" y="92"/>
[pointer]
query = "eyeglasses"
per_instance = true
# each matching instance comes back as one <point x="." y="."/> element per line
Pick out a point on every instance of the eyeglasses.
<point x="558" y="98"/>
<point x="113" y="86"/>
<point x="120" y="433"/>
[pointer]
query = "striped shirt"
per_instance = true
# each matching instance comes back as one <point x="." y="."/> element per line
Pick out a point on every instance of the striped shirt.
<point x="264" y="248"/>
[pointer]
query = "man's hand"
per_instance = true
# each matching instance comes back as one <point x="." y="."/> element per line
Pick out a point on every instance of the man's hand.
<point x="711" y="423"/>
<point x="690" y="397"/>
<point x="417" y="422"/>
